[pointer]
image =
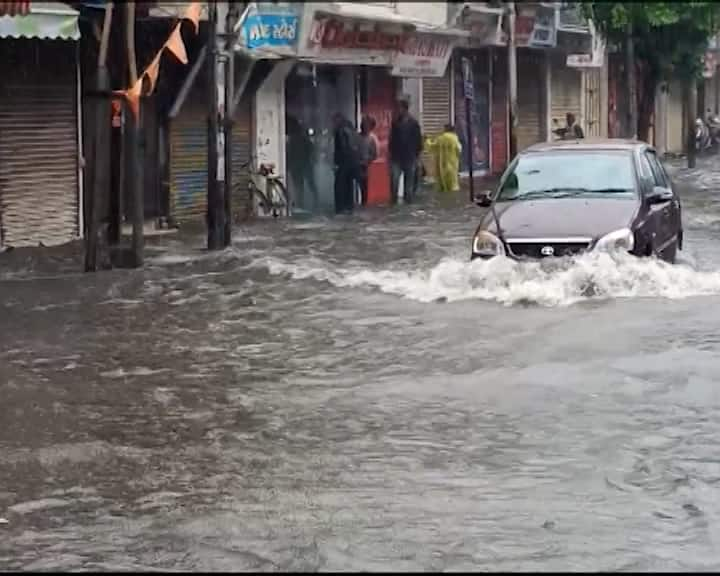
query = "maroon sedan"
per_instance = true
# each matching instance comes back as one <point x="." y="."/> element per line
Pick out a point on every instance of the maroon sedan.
<point x="563" y="198"/>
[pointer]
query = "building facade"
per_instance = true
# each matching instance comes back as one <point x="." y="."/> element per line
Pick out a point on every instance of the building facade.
<point x="41" y="185"/>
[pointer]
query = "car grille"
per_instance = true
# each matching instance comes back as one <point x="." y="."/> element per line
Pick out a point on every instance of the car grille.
<point x="540" y="249"/>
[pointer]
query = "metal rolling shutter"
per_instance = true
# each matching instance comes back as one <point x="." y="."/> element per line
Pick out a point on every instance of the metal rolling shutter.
<point x="565" y="92"/>
<point x="435" y="111"/>
<point x="39" y="161"/>
<point x="188" y="163"/>
<point x="530" y="99"/>
<point x="241" y="201"/>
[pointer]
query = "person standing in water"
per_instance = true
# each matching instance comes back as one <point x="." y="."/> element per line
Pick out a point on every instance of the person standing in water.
<point x="406" y="145"/>
<point x="368" y="153"/>
<point x="447" y="150"/>
<point x="346" y="158"/>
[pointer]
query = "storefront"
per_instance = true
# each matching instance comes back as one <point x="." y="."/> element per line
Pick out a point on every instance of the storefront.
<point x="535" y="34"/>
<point x="566" y="91"/>
<point x="314" y="93"/>
<point x="188" y="162"/>
<point x="435" y="110"/>
<point x="487" y="45"/>
<point x="355" y="67"/>
<point x="40" y="183"/>
<point x="480" y="111"/>
<point x="499" y="111"/>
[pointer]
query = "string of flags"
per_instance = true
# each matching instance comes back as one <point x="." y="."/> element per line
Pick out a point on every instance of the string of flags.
<point x="176" y="46"/>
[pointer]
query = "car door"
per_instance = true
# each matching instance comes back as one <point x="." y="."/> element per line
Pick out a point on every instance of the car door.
<point x="650" y="220"/>
<point x="668" y="212"/>
<point x="676" y="226"/>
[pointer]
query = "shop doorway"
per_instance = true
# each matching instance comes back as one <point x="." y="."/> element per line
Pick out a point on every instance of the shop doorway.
<point x="312" y="95"/>
<point x="377" y="90"/>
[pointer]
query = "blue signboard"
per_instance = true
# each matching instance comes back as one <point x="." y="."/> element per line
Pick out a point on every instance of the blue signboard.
<point x="274" y="30"/>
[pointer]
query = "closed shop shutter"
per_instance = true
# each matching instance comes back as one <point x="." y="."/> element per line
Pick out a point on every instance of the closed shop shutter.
<point x="39" y="157"/>
<point x="530" y="67"/>
<point x="435" y="111"/>
<point x="675" y="118"/>
<point x="188" y="162"/>
<point x="565" y="92"/>
<point x="241" y="201"/>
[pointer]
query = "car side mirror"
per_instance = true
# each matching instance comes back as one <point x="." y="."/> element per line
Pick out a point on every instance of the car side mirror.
<point x="659" y="195"/>
<point x="483" y="199"/>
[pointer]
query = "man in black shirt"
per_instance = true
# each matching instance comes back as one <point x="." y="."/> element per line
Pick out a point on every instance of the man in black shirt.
<point x="405" y="147"/>
<point x="346" y="163"/>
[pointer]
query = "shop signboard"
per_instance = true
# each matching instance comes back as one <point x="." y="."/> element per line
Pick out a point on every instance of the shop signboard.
<point x="468" y="88"/>
<point x="422" y="56"/>
<point x="332" y="39"/>
<point x="272" y="27"/>
<point x="535" y="26"/>
<point x="595" y="59"/>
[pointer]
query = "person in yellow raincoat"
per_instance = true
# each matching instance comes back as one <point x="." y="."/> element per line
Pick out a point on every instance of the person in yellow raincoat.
<point x="447" y="149"/>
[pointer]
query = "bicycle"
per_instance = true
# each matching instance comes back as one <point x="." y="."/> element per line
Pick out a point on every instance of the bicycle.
<point x="274" y="201"/>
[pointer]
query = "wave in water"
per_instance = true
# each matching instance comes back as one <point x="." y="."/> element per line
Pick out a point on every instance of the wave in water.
<point x="590" y="276"/>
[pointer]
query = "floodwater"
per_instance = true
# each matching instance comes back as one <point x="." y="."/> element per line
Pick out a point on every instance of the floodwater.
<point x="353" y="394"/>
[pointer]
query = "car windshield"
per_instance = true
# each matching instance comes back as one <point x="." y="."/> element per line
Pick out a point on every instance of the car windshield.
<point x="562" y="174"/>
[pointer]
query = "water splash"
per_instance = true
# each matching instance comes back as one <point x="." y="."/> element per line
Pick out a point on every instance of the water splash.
<point x="546" y="283"/>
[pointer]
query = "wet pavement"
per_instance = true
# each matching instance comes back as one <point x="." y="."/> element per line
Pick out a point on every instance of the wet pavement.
<point x="353" y="394"/>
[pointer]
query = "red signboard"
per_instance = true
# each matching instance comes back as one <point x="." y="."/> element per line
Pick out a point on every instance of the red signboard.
<point x="334" y="33"/>
<point x="14" y="8"/>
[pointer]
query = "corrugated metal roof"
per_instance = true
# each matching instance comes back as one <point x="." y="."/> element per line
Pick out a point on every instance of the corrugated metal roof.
<point x="46" y="20"/>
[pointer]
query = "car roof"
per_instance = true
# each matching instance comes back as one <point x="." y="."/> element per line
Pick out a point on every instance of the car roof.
<point x="588" y="145"/>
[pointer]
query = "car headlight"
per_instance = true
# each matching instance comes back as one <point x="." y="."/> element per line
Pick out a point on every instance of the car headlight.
<point x="487" y="244"/>
<point x="617" y="241"/>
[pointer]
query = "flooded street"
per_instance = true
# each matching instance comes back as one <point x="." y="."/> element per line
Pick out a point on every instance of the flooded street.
<point x="353" y="394"/>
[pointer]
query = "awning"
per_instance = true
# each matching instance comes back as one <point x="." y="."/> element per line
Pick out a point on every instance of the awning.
<point x="46" y="20"/>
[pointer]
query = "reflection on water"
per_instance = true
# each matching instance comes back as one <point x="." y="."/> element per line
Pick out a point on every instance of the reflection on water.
<point x="352" y="394"/>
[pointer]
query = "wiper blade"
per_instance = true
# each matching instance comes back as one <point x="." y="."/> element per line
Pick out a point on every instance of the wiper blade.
<point x="568" y="192"/>
<point x="611" y="190"/>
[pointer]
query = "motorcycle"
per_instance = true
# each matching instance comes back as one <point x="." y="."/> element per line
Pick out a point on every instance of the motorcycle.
<point x="713" y="124"/>
<point x="703" y="138"/>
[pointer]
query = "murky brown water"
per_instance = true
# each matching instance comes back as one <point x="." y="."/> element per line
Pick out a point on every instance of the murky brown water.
<point x="354" y="395"/>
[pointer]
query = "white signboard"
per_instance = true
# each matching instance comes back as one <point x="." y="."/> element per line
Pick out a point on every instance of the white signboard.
<point x="596" y="59"/>
<point x="422" y="56"/>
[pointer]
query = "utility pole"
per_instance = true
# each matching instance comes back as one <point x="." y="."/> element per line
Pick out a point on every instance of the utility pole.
<point x="690" y="97"/>
<point x="215" y="192"/>
<point x="100" y="167"/>
<point x="232" y="16"/>
<point x="631" y="76"/>
<point x="512" y="78"/>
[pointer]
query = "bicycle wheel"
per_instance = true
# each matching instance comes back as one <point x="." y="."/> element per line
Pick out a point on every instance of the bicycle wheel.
<point x="263" y="201"/>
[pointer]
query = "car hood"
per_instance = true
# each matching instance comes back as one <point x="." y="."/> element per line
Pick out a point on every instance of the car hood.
<point x="561" y="217"/>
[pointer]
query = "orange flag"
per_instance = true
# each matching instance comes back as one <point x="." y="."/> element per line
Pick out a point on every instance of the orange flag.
<point x="193" y="14"/>
<point x="152" y="72"/>
<point x="176" y="45"/>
